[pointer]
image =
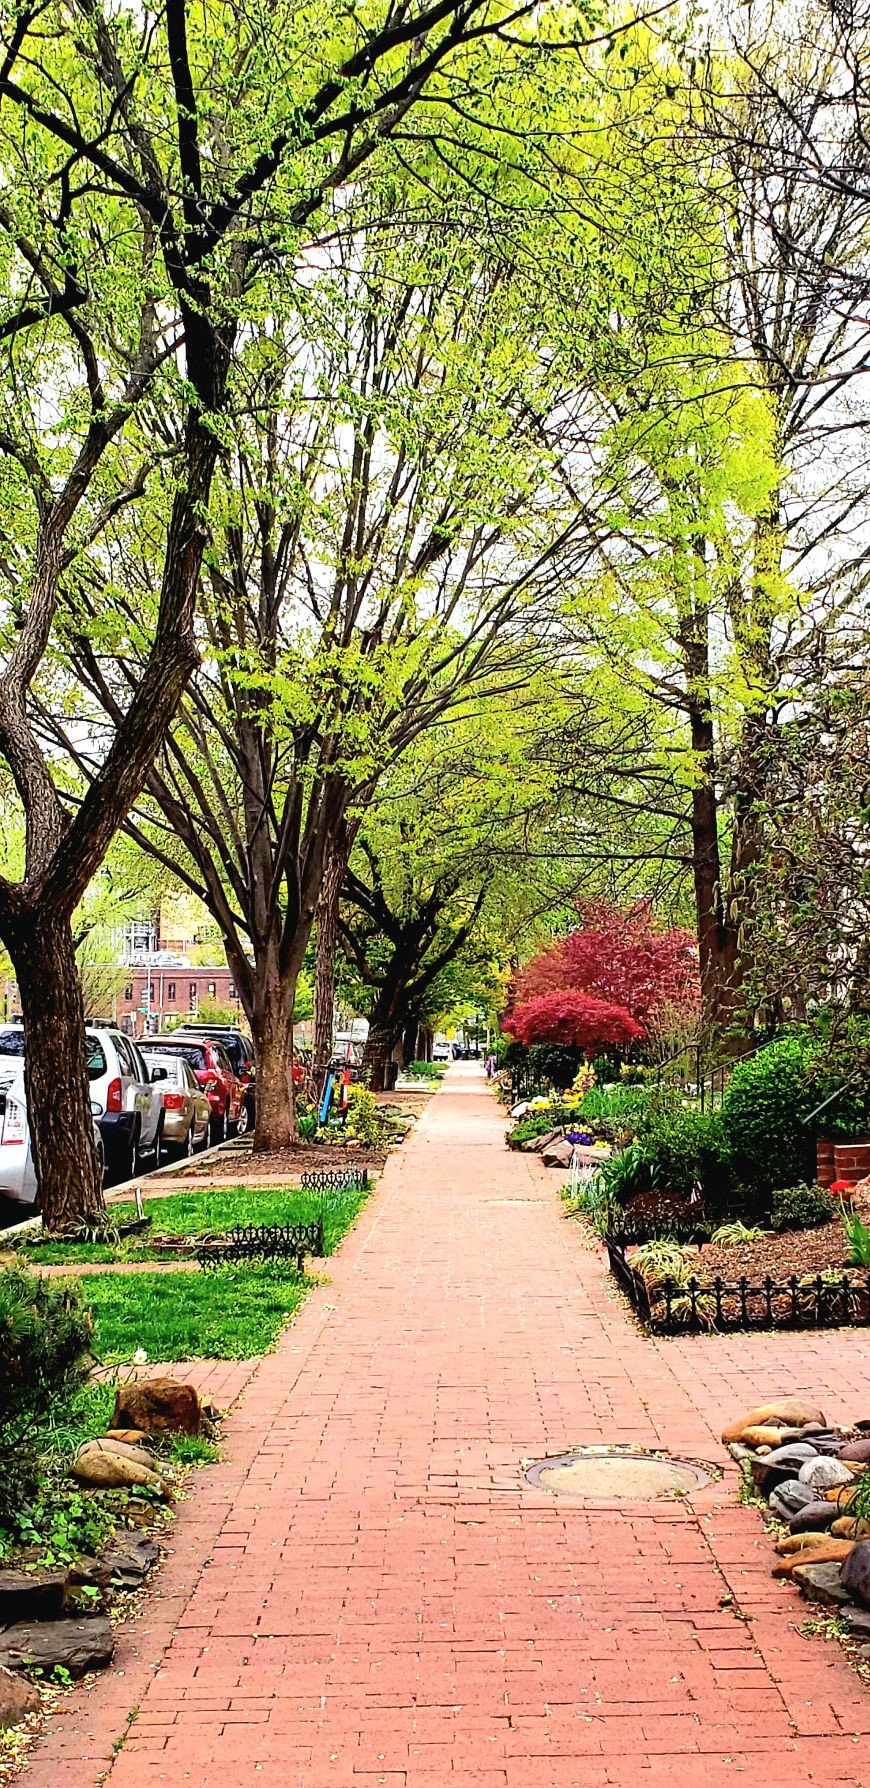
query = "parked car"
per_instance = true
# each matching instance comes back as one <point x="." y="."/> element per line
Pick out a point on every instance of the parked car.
<point x="240" y="1050"/>
<point x="126" y="1101"/>
<point x="127" y="1110"/>
<point x="211" y="1066"/>
<point x="441" y="1051"/>
<point x="186" y="1110"/>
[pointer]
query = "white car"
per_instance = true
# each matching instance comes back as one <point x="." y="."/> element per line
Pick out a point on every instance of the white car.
<point x="17" y="1172"/>
<point x="126" y="1102"/>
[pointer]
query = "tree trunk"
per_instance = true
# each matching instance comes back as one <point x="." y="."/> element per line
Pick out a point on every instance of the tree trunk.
<point x="69" y="1183"/>
<point x="272" y="1027"/>
<point x="324" y="969"/>
<point x="378" y="1052"/>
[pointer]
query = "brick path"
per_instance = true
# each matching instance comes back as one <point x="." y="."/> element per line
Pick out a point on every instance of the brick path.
<point x="366" y="1594"/>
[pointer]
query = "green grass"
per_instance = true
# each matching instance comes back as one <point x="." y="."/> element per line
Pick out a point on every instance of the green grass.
<point x="206" y="1213"/>
<point x="231" y="1313"/>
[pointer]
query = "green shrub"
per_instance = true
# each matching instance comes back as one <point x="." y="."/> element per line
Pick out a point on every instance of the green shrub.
<point x="801" y="1207"/>
<point x="766" y="1142"/>
<point x="537" y="1124"/>
<point x="612" y="1112"/>
<point x="682" y="1145"/>
<point x="840" y="1064"/>
<point x="364" y="1121"/>
<point x="45" y="1337"/>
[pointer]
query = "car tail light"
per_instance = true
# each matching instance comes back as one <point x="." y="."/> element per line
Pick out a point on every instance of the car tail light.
<point x="173" y="1101"/>
<point x="114" y="1096"/>
<point x="15" y="1123"/>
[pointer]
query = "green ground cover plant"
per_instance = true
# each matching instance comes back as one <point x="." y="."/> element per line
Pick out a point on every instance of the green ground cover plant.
<point x="228" y="1313"/>
<point x="801" y="1207"/>
<point x="425" y="1070"/>
<point x="207" y="1214"/>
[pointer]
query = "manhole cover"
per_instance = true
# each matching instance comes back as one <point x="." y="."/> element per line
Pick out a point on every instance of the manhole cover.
<point x="612" y="1474"/>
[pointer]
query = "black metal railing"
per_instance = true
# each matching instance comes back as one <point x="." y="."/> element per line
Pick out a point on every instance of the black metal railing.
<point x="671" y="1307"/>
<point x="352" y="1179"/>
<point x="262" y="1242"/>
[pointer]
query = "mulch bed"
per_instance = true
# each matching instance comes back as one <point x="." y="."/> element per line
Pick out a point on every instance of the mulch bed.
<point x="307" y="1158"/>
<point x="797" y="1251"/>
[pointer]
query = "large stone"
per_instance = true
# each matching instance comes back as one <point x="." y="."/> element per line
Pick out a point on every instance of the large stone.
<point x="558" y="1154"/>
<point x="41" y="1595"/>
<point x="785" y="1412"/>
<point x="856" y="1452"/>
<point x="851" y="1527"/>
<point x="788" y="1498"/>
<point x="18" y="1698"/>
<point x="824" y="1474"/>
<point x="825" y="1551"/>
<point x="773" y="1468"/>
<point x="761" y="1436"/>
<point x="125" y="1562"/>
<point x="46" y="1645"/>
<point x="121" y="1450"/>
<point x="814" y="1517"/>
<point x="133" y="1437"/>
<point x="158" y="1406"/>
<point x="856" y="1573"/>
<point x="858" y="1619"/>
<point x="801" y="1545"/>
<point x="108" y="1471"/>
<point x="821" y="1582"/>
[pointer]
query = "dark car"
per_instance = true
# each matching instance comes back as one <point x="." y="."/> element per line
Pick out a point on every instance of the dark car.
<point x="240" y="1050"/>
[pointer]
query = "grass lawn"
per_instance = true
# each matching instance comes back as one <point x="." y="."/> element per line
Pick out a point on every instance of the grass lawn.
<point x="207" y="1213"/>
<point x="231" y="1313"/>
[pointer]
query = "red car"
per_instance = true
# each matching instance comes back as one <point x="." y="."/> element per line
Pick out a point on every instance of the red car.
<point x="211" y="1065"/>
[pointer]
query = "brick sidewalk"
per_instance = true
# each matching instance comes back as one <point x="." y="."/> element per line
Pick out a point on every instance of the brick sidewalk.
<point x="366" y="1594"/>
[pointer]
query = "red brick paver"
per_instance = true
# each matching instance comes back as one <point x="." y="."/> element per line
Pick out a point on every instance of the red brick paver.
<point x="367" y="1592"/>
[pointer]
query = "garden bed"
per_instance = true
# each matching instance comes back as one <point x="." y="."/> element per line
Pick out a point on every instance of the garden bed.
<point x="708" y="1301"/>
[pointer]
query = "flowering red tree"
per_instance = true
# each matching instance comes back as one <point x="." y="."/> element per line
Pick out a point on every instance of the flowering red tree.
<point x="624" y="959"/>
<point x="573" y="1018"/>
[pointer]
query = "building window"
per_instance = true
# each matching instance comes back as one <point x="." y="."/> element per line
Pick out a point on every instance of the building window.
<point x="192" y="996"/>
<point x="128" y="991"/>
<point x="232" y="990"/>
<point x="170" y="990"/>
<point x="212" y="989"/>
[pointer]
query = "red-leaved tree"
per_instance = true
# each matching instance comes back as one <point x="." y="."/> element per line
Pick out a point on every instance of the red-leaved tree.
<point x="578" y="1019"/>
<point x="624" y="959"/>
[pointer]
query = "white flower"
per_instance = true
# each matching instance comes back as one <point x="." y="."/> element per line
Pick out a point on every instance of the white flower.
<point x="140" y="1357"/>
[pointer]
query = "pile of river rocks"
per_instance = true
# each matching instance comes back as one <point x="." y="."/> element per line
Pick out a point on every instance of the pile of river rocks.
<point x="42" y="1624"/>
<point x="810" y="1473"/>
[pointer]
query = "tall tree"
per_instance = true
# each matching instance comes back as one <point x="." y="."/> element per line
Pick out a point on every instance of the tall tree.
<point x="160" y="173"/>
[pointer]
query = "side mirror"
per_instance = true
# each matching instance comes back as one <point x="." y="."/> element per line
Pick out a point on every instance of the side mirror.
<point x="159" y="1074"/>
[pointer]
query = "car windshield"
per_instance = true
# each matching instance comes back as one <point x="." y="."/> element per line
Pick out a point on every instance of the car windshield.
<point x="172" y="1064"/>
<point x="190" y="1052"/>
<point x="11" y="1042"/>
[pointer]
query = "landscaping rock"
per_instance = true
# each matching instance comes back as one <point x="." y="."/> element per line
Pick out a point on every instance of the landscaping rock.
<point x="125" y="1561"/>
<point x="821" y="1582"/>
<point x="856" y="1573"/>
<point x="761" y="1437"/>
<point x="785" y="1413"/>
<point x="825" y="1551"/>
<point x="773" y="1468"/>
<point x="158" y="1406"/>
<point x="73" y="1645"/>
<point x="851" y="1527"/>
<point x="789" y="1497"/>
<point x="824" y="1474"/>
<point x="793" y="1545"/>
<point x="120" y="1449"/>
<point x="108" y="1471"/>
<point x="828" y="1444"/>
<point x="133" y="1437"/>
<point x="859" y="1621"/>
<point x="40" y="1596"/>
<point x="814" y="1517"/>
<point x="857" y="1452"/>
<point x="558" y="1154"/>
<point x="18" y="1698"/>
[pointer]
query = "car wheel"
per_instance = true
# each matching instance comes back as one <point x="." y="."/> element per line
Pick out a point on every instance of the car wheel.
<point x="244" y="1123"/>
<point x="220" y="1126"/>
<point x="205" y="1138"/>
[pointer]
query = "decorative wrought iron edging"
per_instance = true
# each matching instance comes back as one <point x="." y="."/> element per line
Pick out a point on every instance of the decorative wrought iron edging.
<point x="726" y="1306"/>
<point x="352" y="1179"/>
<point x="261" y="1241"/>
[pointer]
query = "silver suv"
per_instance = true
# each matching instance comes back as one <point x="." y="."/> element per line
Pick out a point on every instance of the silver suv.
<point x="126" y="1100"/>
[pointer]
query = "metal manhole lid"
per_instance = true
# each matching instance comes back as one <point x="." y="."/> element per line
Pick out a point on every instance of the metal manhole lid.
<point x="614" y="1474"/>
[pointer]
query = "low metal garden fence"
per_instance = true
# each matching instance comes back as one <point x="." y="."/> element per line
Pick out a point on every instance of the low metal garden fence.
<point x="671" y="1307"/>
<point x="262" y="1242"/>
